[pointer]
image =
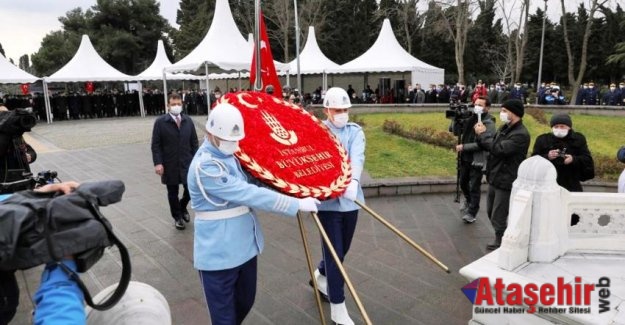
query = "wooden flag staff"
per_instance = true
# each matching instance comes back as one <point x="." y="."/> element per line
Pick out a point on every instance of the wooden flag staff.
<point x="302" y="231"/>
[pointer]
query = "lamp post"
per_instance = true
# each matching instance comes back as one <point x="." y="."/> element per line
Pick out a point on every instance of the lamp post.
<point x="540" y="60"/>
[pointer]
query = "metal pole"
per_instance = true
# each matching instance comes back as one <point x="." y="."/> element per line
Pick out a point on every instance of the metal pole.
<point x="302" y="232"/>
<point x="165" y="89"/>
<point x="402" y="236"/>
<point x="208" y="92"/>
<point x="46" y="100"/>
<point x="299" y="75"/>
<point x="141" y="105"/>
<point x="258" y="83"/>
<point x="540" y="60"/>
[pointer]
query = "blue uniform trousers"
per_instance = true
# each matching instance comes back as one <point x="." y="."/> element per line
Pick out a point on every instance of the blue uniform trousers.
<point x="177" y="206"/>
<point x="340" y="227"/>
<point x="230" y="293"/>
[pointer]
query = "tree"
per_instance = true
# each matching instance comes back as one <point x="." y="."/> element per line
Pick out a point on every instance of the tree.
<point x="617" y="33"/>
<point x="433" y="44"/>
<point x="574" y="82"/>
<point x="485" y="44"/>
<point x="194" y="17"/>
<point x="405" y="19"/>
<point x="457" y="21"/>
<point x="520" y="40"/>
<point x="24" y="63"/>
<point x="279" y="15"/>
<point x="57" y="48"/>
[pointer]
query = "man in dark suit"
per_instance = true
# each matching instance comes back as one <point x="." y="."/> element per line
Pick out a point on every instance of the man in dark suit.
<point x="174" y="143"/>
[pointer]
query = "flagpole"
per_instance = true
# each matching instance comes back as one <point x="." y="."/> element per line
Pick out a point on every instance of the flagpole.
<point x="258" y="85"/>
<point x="299" y="76"/>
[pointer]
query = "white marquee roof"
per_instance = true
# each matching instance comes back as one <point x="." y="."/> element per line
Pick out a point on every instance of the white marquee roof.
<point x="10" y="74"/>
<point x="223" y="46"/>
<point x="387" y="55"/>
<point x="155" y="70"/>
<point x="312" y="60"/>
<point x="87" y="65"/>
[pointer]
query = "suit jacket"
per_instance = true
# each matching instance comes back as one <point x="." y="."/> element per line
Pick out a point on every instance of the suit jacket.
<point x="174" y="148"/>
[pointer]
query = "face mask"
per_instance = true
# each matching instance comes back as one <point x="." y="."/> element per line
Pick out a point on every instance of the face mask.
<point x="228" y="147"/>
<point x="504" y="117"/>
<point x="478" y="109"/>
<point x="340" y="120"/>
<point x="591" y="87"/>
<point x="612" y="88"/>
<point x="175" y="109"/>
<point x="560" y="133"/>
<point x="517" y="87"/>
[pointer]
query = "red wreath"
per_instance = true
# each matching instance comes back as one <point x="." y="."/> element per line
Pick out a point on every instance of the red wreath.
<point x="25" y="88"/>
<point x="288" y="148"/>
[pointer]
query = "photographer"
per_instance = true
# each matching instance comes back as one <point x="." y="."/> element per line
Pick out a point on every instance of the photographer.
<point x="568" y="152"/>
<point x="15" y="153"/>
<point x="473" y="157"/>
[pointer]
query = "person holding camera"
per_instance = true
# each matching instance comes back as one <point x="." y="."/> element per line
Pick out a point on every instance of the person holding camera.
<point x="174" y="142"/>
<point x="228" y="237"/>
<point x="507" y="149"/>
<point x="568" y="151"/>
<point x="473" y="158"/>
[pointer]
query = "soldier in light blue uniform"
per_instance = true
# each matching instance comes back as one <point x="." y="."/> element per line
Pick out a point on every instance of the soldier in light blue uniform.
<point x="228" y="236"/>
<point x="339" y="216"/>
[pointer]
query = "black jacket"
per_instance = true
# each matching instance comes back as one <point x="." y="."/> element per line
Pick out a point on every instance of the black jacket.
<point x="582" y="167"/>
<point x="472" y="151"/>
<point x="174" y="148"/>
<point x="507" y="149"/>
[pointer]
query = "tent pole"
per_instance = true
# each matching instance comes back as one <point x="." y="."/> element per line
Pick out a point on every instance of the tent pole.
<point x="46" y="100"/>
<point x="258" y="84"/>
<point x="299" y="74"/>
<point x="165" y="88"/>
<point x="239" y="80"/>
<point x="208" y="92"/>
<point x="141" y="107"/>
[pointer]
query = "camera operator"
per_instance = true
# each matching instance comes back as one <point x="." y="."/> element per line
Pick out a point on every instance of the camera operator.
<point x="58" y="300"/>
<point x="473" y="158"/>
<point x="568" y="152"/>
<point x="15" y="153"/>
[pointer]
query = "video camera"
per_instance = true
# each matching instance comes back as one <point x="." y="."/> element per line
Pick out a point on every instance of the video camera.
<point x="457" y="112"/>
<point x="29" y="182"/>
<point x="17" y="121"/>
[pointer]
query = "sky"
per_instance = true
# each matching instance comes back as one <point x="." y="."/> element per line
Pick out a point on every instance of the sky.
<point x="24" y="23"/>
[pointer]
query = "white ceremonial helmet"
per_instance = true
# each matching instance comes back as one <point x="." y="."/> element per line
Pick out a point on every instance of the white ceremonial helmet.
<point x="336" y="98"/>
<point x="225" y="121"/>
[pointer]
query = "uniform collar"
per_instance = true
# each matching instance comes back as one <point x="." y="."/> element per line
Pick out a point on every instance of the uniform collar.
<point x="214" y="150"/>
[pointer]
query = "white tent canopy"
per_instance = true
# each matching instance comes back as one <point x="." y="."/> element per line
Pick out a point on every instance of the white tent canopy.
<point x="223" y="46"/>
<point x="87" y="65"/>
<point x="312" y="60"/>
<point x="155" y="70"/>
<point x="10" y="74"/>
<point x="387" y="55"/>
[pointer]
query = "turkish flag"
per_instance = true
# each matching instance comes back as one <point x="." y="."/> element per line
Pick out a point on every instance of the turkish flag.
<point x="25" y="88"/>
<point x="89" y="87"/>
<point x="268" y="70"/>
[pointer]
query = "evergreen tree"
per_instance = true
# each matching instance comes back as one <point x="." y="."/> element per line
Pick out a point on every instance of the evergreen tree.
<point x="194" y="18"/>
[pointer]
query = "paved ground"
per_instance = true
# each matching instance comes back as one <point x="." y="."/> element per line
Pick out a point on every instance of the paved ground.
<point x="397" y="284"/>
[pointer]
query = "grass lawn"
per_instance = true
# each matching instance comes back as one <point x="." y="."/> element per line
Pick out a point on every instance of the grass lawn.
<point x="392" y="156"/>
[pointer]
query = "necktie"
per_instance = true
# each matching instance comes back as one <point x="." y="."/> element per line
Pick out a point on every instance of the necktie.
<point x="178" y="121"/>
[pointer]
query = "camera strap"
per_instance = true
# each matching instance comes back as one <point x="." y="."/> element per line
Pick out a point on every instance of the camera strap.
<point x="125" y="258"/>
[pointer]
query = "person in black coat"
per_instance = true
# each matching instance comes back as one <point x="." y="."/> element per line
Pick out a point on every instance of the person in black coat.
<point x="568" y="152"/>
<point x="174" y="143"/>
<point x="507" y="149"/>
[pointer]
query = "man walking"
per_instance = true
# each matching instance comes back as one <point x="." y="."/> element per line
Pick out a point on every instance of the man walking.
<point x="174" y="143"/>
<point x="507" y="149"/>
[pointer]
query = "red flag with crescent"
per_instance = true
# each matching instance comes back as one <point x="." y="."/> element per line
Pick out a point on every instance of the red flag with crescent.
<point x="267" y="68"/>
<point x="25" y="88"/>
<point x="89" y="87"/>
<point x="289" y="148"/>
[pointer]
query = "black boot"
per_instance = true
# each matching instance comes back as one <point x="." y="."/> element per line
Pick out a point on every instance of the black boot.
<point x="495" y="244"/>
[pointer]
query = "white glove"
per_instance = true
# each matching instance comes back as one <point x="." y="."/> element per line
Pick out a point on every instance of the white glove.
<point x="308" y="204"/>
<point x="351" y="193"/>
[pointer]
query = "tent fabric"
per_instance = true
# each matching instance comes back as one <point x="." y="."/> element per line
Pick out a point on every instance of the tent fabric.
<point x="155" y="70"/>
<point x="10" y="74"/>
<point x="223" y="46"/>
<point x="387" y="55"/>
<point x="312" y="60"/>
<point x="87" y="65"/>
